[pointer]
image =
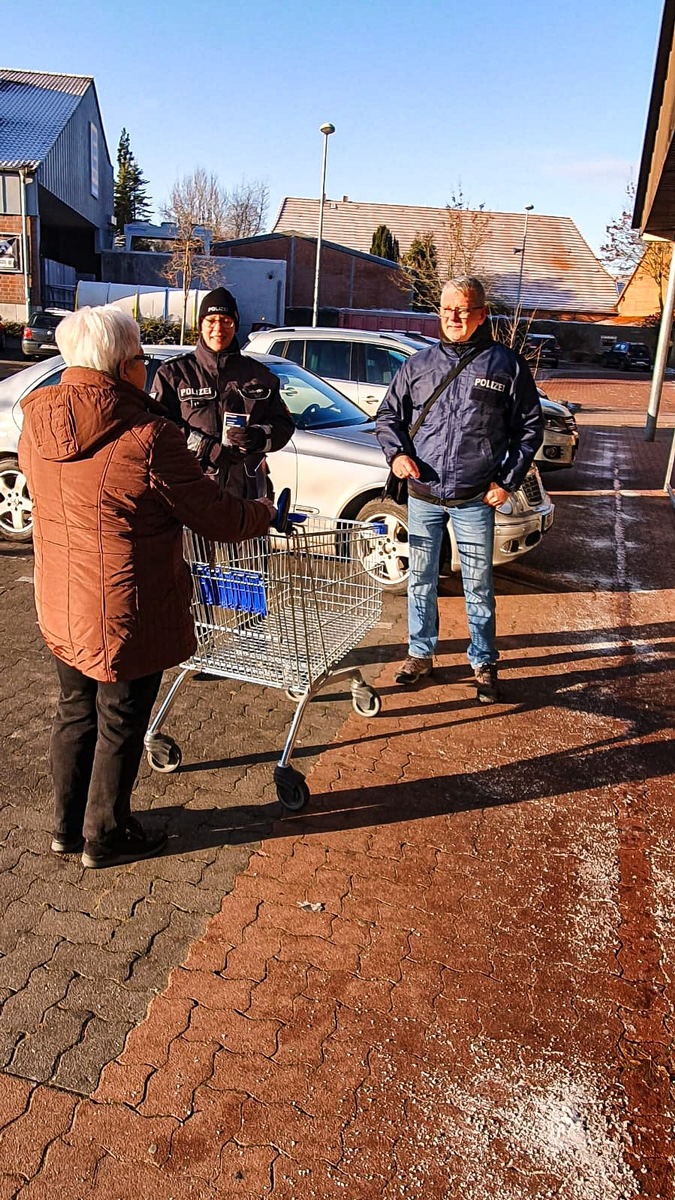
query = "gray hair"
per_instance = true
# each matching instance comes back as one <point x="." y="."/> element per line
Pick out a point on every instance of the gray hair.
<point x="469" y="285"/>
<point x="100" y="338"/>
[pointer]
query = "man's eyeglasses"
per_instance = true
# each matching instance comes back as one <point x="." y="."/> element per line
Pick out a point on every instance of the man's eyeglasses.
<point x="462" y="313"/>
<point x="138" y="358"/>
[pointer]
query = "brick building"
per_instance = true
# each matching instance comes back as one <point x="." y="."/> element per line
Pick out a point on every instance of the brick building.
<point x="349" y="278"/>
<point x="56" y="189"/>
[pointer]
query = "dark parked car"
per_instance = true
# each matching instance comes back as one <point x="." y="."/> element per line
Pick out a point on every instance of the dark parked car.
<point x="542" y="350"/>
<point x="628" y="355"/>
<point x="38" y="335"/>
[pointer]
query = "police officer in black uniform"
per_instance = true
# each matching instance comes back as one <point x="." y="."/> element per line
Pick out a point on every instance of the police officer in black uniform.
<point x="228" y="405"/>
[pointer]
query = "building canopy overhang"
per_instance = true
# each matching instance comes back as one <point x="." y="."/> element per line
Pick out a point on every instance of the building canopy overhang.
<point x="654" y="212"/>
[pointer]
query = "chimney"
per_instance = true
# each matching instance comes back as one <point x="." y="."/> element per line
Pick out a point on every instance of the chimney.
<point x="345" y="199"/>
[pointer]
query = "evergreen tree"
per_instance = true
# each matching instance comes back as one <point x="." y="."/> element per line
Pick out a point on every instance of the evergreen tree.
<point x="132" y="202"/>
<point x="384" y="244"/>
<point x="421" y="266"/>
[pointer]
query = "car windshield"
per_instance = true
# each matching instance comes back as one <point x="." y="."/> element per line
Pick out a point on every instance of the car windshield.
<point x="44" y="321"/>
<point x="638" y="348"/>
<point x="313" y="403"/>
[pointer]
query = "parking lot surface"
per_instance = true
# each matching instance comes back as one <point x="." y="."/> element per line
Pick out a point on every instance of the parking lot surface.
<point x="451" y="977"/>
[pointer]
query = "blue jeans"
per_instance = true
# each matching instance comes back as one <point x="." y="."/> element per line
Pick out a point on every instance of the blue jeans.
<point x="473" y="524"/>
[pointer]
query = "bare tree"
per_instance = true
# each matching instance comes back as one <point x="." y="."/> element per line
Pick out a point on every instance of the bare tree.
<point x="625" y="250"/>
<point x="196" y="201"/>
<point x="427" y="267"/>
<point x="468" y="230"/>
<point x="246" y="208"/>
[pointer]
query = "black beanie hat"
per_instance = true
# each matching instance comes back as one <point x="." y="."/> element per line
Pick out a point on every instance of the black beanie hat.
<point x="219" y="302"/>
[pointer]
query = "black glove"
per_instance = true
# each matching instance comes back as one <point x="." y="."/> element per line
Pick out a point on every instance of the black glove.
<point x="250" y="438"/>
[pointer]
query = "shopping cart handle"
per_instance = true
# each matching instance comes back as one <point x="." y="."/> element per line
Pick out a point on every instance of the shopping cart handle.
<point x="284" y="517"/>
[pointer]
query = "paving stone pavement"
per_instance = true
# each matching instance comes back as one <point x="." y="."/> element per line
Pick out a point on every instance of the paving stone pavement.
<point x="83" y="952"/>
<point x="451" y="976"/>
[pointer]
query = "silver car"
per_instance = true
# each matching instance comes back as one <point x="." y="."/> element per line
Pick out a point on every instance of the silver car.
<point x="362" y="363"/>
<point x="333" y="466"/>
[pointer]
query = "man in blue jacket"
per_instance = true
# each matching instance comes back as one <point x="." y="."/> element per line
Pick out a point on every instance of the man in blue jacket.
<point x="474" y="447"/>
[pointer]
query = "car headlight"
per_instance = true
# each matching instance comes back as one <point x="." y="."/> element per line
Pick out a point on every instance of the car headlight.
<point x="556" y="423"/>
<point x="514" y="506"/>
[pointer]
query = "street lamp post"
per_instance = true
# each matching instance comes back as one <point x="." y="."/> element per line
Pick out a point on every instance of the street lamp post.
<point x="521" y="251"/>
<point x="326" y="130"/>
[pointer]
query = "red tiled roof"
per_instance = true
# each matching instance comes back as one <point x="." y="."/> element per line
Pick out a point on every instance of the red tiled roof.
<point x="560" y="272"/>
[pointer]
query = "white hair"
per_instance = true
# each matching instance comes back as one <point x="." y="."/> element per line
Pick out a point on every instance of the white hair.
<point x="100" y="338"/>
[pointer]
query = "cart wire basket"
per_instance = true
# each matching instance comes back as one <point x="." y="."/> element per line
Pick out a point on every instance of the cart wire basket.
<point x="281" y="610"/>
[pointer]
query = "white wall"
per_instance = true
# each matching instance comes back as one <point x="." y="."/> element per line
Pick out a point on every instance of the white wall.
<point x="259" y="286"/>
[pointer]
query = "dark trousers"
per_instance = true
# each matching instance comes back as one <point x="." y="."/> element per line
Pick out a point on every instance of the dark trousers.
<point x="96" y="750"/>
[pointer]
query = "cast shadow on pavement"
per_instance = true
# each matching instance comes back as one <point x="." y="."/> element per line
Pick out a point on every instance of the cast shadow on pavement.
<point x="606" y="691"/>
<point x="576" y="686"/>
<point x="602" y="764"/>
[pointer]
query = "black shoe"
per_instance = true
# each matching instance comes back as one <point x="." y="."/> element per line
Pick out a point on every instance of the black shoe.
<point x="487" y="686"/>
<point x="65" y="845"/>
<point x="127" y="847"/>
<point x="413" y="669"/>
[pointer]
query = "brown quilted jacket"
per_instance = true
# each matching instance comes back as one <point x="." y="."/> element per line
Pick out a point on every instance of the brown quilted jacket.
<point x="112" y="483"/>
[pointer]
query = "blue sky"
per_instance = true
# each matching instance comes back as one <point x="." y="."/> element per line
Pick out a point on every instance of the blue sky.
<point x="527" y="103"/>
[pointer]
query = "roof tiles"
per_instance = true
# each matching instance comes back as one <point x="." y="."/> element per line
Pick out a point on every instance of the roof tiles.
<point x="34" y="107"/>
<point x="560" y="272"/>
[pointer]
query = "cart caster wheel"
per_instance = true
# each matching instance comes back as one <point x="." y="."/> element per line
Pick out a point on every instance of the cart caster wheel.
<point x="164" y="755"/>
<point x="366" y="701"/>
<point x="292" y="790"/>
<point x="295" y="694"/>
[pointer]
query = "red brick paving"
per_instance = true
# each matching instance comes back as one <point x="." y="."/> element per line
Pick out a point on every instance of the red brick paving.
<point x="483" y="1002"/>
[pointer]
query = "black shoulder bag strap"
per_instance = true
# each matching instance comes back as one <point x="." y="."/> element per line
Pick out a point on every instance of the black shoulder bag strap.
<point x="397" y="489"/>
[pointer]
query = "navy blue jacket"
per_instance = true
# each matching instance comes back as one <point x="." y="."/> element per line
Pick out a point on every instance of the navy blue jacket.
<point x="486" y="426"/>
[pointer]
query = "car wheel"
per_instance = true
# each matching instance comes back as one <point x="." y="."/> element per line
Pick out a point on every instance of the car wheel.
<point x="16" y="507"/>
<point x="387" y="562"/>
<point x="624" y="366"/>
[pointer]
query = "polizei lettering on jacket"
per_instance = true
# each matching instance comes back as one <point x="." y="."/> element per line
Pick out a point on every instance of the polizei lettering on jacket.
<point x="492" y="384"/>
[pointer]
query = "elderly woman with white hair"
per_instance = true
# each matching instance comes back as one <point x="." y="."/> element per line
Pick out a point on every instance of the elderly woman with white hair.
<point x="112" y="483"/>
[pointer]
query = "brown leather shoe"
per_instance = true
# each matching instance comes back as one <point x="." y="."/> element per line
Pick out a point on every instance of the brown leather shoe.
<point x="413" y="669"/>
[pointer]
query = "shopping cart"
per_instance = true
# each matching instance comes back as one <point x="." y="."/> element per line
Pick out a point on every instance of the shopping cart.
<point x="280" y="610"/>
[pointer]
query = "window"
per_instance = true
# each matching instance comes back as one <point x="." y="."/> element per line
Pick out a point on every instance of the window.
<point x="93" y="160"/>
<point x="330" y="359"/>
<point x="292" y="350"/>
<point x="10" y="194"/>
<point x="53" y="379"/>
<point x="382" y="365"/>
<point x="10" y="252"/>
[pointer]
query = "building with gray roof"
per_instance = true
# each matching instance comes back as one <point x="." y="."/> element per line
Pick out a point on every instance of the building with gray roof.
<point x="56" y="189"/>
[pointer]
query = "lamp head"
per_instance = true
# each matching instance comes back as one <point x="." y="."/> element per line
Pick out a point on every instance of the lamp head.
<point x="327" y="128"/>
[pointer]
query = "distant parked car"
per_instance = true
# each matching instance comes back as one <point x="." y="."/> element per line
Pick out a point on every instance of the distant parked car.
<point x="38" y="339"/>
<point x="362" y="363"/>
<point x="542" y="350"/>
<point x="628" y="356"/>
